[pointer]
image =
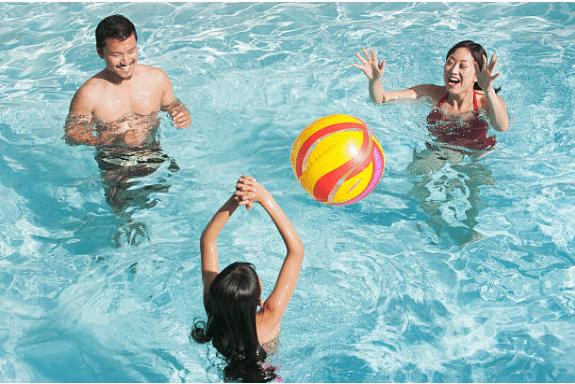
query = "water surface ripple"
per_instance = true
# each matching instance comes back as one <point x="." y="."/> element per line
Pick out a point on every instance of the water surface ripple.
<point x="465" y="274"/>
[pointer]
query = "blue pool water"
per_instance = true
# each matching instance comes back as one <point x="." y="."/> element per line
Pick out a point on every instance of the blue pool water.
<point x="463" y="274"/>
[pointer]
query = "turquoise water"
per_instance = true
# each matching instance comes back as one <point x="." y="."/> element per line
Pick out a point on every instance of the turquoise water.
<point x="462" y="274"/>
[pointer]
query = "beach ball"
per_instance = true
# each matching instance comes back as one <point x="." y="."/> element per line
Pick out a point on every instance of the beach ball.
<point x="337" y="159"/>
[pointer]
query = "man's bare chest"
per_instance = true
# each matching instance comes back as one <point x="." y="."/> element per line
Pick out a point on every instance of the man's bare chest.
<point x="116" y="102"/>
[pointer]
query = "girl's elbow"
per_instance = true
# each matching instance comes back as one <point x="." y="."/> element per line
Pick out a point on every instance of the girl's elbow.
<point x="295" y="248"/>
<point x="206" y="238"/>
<point x="299" y="248"/>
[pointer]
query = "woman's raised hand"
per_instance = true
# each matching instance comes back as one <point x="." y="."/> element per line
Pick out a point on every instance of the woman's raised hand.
<point x="372" y="68"/>
<point x="485" y="76"/>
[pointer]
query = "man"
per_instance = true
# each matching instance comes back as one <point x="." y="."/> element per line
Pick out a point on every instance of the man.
<point x="118" y="106"/>
<point x="116" y="111"/>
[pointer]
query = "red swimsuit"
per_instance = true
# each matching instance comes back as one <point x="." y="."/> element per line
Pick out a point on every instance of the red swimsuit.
<point x="470" y="134"/>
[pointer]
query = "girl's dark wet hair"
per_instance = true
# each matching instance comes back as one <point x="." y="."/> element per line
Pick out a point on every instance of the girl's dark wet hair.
<point x="231" y="325"/>
<point x="116" y="27"/>
<point x="478" y="53"/>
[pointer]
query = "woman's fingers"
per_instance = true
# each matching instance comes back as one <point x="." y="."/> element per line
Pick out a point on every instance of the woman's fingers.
<point x="492" y="64"/>
<point x="373" y="56"/>
<point x="360" y="58"/>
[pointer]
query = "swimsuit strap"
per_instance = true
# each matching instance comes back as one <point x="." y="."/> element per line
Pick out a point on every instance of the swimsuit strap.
<point x="475" y="104"/>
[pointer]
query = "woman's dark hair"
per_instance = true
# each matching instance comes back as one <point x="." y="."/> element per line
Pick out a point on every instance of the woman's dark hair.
<point x="231" y="325"/>
<point x="478" y="53"/>
<point x="116" y="27"/>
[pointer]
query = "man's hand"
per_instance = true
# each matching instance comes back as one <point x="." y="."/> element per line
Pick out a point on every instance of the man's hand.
<point x="180" y="114"/>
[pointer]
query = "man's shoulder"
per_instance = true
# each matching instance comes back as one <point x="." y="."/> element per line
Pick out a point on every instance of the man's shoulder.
<point x="96" y="83"/>
<point x="85" y="97"/>
<point x="149" y="70"/>
<point x="152" y="76"/>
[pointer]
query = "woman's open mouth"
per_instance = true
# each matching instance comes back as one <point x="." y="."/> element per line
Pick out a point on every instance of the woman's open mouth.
<point x="454" y="81"/>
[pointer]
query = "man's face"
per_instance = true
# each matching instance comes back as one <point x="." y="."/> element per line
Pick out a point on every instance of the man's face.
<point x="120" y="56"/>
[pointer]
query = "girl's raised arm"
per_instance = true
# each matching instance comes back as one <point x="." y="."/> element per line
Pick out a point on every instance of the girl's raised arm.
<point x="249" y="191"/>
<point x="209" y="244"/>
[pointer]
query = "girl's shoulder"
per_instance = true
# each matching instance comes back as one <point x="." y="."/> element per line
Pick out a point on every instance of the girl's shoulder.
<point x="267" y="325"/>
<point x="272" y="345"/>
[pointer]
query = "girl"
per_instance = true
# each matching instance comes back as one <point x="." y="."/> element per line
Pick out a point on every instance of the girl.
<point x="240" y="332"/>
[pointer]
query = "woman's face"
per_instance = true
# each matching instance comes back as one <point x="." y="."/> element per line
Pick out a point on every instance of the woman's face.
<point x="459" y="71"/>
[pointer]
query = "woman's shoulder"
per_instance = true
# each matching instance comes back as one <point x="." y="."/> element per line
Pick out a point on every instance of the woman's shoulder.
<point x="432" y="92"/>
<point x="482" y="99"/>
<point x="437" y="92"/>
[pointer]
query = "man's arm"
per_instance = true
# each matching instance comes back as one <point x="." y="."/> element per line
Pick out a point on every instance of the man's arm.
<point x="79" y="129"/>
<point x="176" y="109"/>
<point x="80" y="123"/>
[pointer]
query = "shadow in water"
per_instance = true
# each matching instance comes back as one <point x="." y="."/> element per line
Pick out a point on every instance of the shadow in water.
<point x="129" y="177"/>
<point x="449" y="191"/>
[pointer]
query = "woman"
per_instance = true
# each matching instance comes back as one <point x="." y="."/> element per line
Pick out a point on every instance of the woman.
<point x="468" y="90"/>
<point x="239" y="331"/>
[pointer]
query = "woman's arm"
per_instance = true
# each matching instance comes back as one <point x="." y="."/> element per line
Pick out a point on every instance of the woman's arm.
<point x="374" y="70"/>
<point x="250" y="191"/>
<point x="497" y="110"/>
